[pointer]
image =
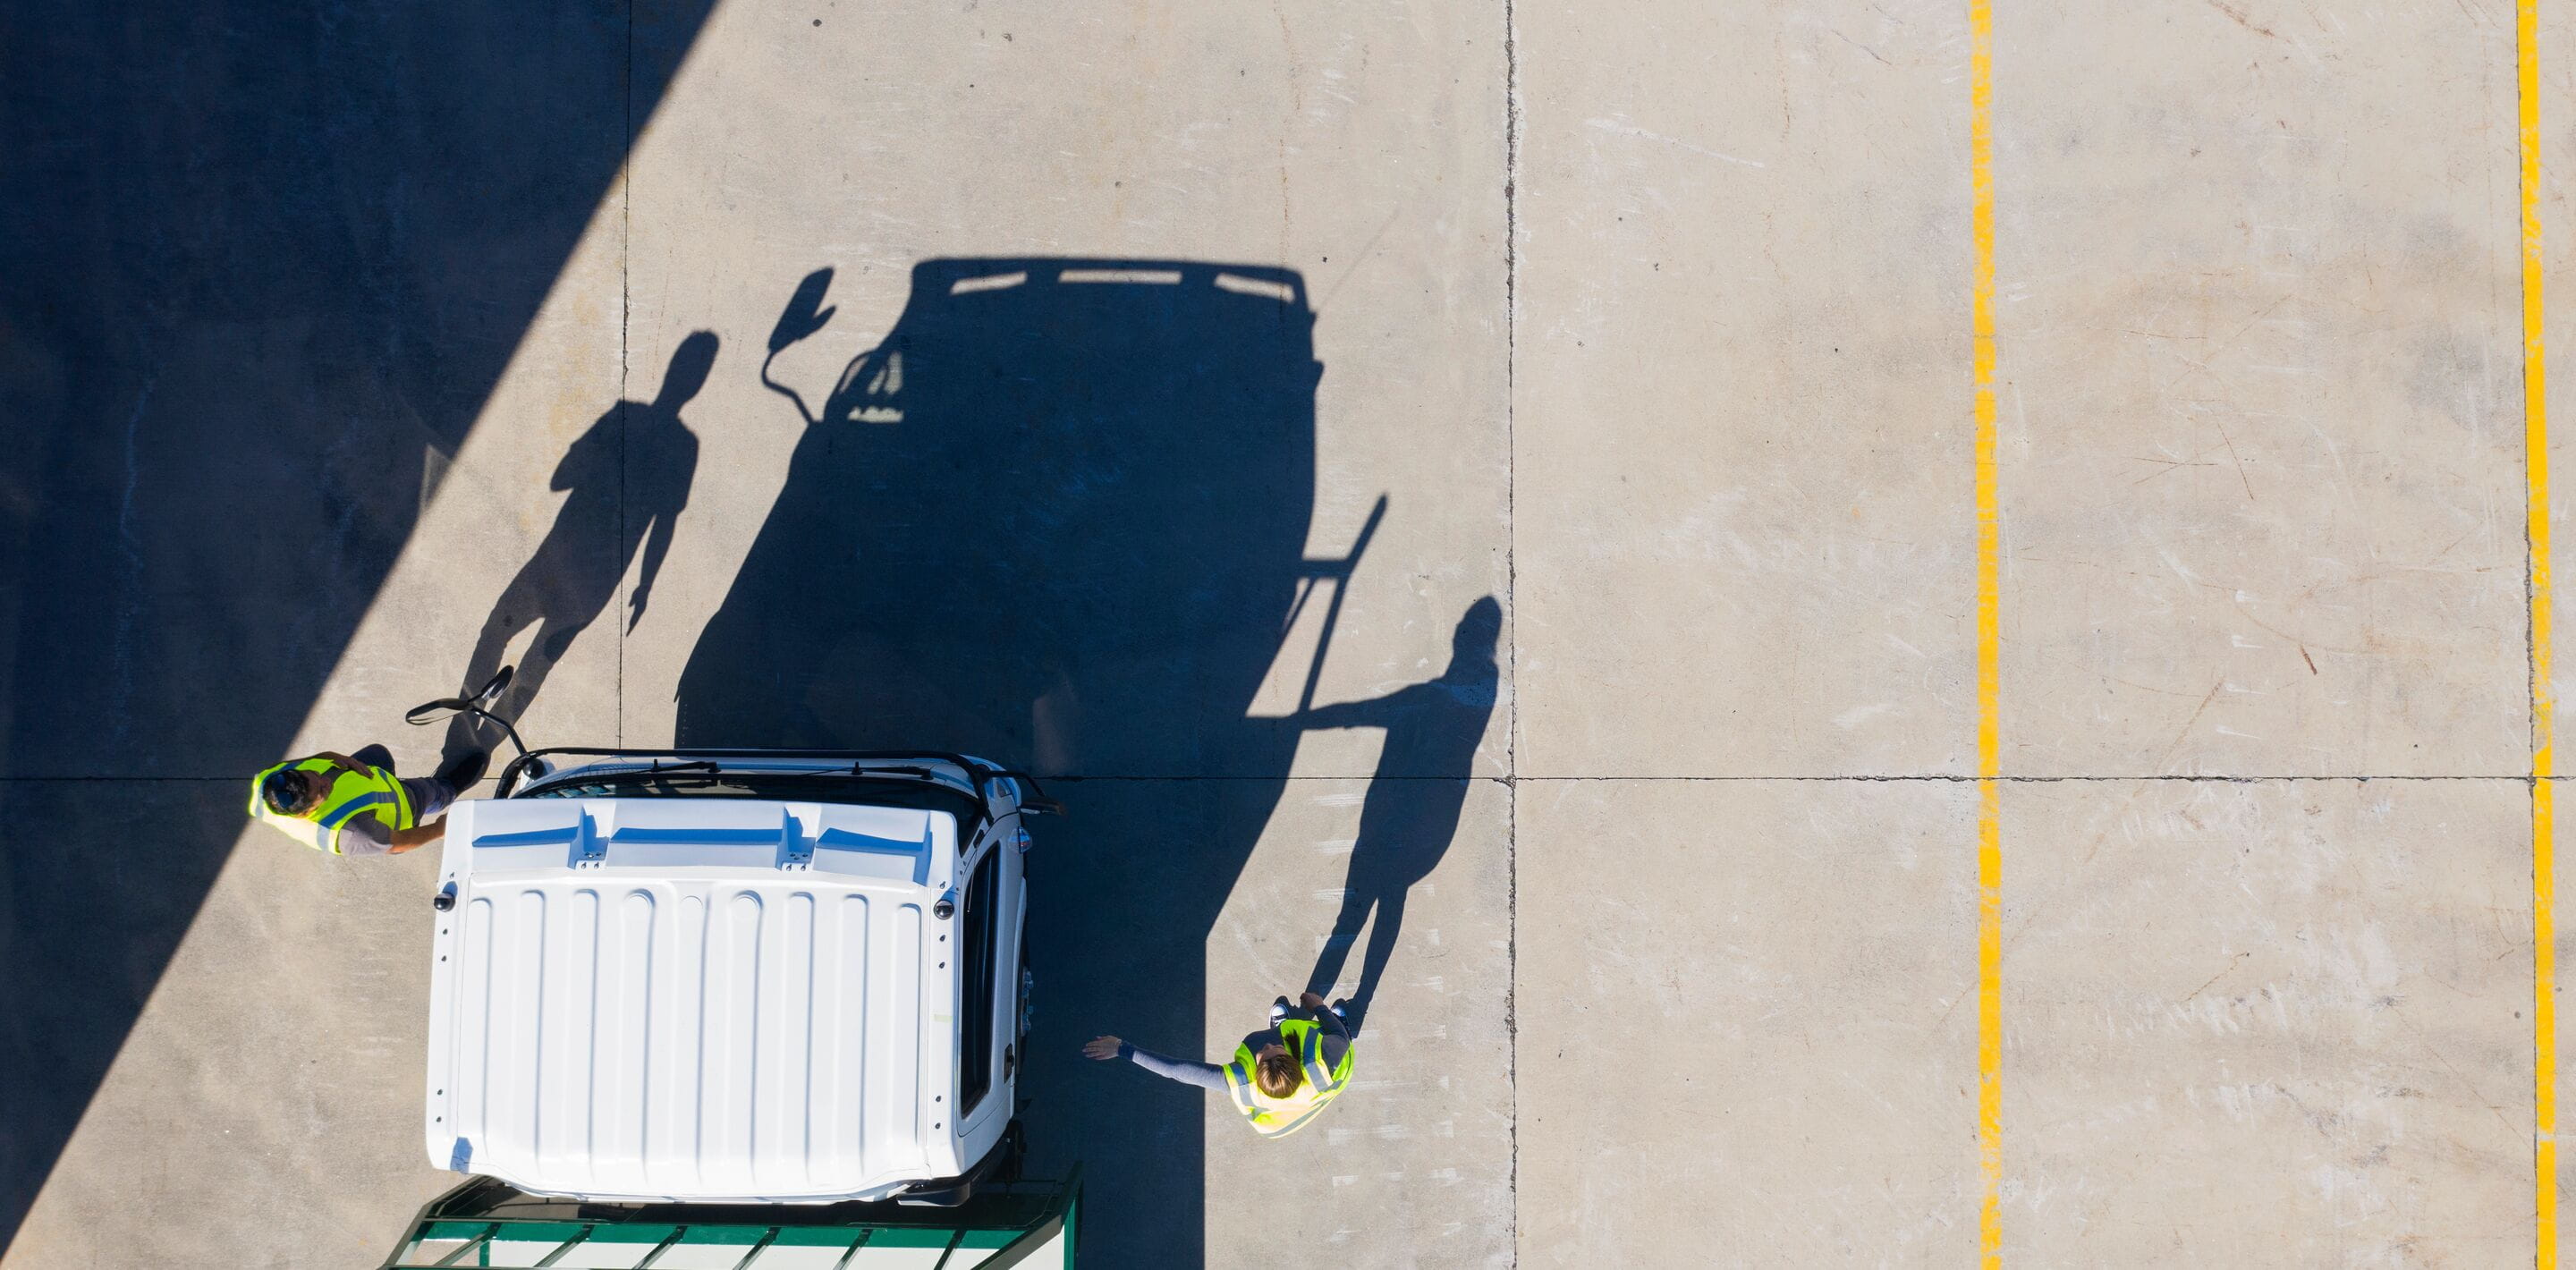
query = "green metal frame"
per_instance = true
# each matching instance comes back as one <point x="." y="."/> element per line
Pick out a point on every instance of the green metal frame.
<point x="1010" y="1220"/>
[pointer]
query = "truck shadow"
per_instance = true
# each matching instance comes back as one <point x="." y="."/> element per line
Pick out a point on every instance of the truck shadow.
<point x="1056" y="517"/>
<point x="260" y="268"/>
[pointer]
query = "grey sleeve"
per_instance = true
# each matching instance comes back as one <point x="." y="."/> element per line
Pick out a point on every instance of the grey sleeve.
<point x="1206" y="1076"/>
<point x="365" y="835"/>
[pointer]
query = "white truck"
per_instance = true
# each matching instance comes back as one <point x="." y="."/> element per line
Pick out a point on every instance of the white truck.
<point x="732" y="977"/>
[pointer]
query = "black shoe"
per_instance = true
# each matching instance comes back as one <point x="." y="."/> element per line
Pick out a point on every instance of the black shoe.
<point x="462" y="771"/>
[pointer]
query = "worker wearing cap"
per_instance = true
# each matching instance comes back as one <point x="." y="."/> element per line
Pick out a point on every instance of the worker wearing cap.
<point x="355" y="805"/>
<point x="1278" y="1079"/>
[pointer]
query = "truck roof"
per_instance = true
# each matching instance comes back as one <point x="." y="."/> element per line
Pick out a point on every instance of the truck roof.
<point x="694" y="998"/>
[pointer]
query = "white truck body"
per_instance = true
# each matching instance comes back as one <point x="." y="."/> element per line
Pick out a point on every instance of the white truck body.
<point x="653" y="987"/>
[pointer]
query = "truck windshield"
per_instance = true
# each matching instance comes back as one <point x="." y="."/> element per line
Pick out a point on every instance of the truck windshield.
<point x="834" y="786"/>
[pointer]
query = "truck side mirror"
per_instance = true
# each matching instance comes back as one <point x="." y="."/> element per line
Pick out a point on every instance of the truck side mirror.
<point x="1033" y="800"/>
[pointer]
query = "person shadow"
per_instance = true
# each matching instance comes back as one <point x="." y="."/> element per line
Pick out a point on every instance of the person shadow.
<point x="1411" y="810"/>
<point x="629" y="478"/>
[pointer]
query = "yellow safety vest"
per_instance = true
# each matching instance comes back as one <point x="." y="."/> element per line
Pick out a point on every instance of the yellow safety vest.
<point x="1279" y="1117"/>
<point x="375" y="792"/>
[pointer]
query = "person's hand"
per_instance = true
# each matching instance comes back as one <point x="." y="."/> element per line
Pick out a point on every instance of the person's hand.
<point x="1310" y="1001"/>
<point x="1102" y="1048"/>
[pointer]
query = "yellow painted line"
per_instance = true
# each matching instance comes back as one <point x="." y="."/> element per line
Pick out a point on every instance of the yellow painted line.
<point x="2535" y="466"/>
<point x="1990" y="860"/>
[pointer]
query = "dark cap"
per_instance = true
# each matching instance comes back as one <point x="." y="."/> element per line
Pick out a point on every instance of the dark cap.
<point x="286" y="792"/>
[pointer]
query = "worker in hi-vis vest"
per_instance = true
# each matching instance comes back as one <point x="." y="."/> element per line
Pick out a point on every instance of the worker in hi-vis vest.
<point x="353" y="804"/>
<point x="1278" y="1079"/>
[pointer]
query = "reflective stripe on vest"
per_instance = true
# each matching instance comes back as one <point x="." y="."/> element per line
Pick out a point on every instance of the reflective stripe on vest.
<point x="1279" y="1117"/>
<point x="375" y="792"/>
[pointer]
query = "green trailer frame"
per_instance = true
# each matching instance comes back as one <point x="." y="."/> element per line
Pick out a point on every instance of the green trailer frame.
<point x="1002" y="1224"/>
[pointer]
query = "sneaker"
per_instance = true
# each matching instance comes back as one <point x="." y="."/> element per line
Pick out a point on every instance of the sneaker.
<point x="1278" y="1011"/>
<point x="461" y="772"/>
<point x="1337" y="1010"/>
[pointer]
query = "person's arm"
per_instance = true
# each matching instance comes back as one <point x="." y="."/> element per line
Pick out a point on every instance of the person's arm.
<point x="344" y="762"/>
<point x="361" y="835"/>
<point x="657" y="544"/>
<point x="1324" y="1014"/>
<point x="584" y="456"/>
<point x="1330" y="1043"/>
<point x="1206" y="1076"/>
<point x="1376" y="712"/>
<point x="365" y="835"/>
<point x="1346" y="714"/>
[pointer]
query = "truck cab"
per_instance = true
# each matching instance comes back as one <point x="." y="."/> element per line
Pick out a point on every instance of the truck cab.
<point x="732" y="977"/>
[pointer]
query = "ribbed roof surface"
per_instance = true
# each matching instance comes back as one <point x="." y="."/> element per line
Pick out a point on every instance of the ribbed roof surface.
<point x="627" y="1005"/>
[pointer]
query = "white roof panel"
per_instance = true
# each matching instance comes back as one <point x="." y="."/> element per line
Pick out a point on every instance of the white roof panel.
<point x="694" y="998"/>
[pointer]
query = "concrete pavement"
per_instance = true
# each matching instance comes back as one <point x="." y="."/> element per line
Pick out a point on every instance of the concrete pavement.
<point x="1652" y="327"/>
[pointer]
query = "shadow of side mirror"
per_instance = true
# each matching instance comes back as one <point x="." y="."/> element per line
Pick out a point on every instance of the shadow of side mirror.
<point x="805" y="313"/>
<point x="450" y="707"/>
<point x="433" y="711"/>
